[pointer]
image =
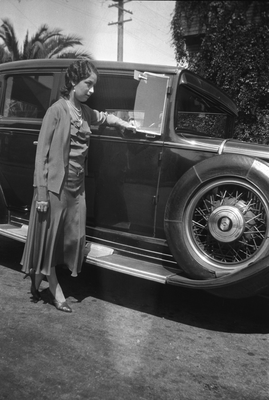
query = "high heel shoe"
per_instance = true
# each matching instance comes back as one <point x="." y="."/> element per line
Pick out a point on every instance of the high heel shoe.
<point x="35" y="293"/>
<point x="61" y="306"/>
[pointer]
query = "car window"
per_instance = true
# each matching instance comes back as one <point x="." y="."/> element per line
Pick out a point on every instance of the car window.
<point x="27" y="96"/>
<point x="197" y="115"/>
<point x="132" y="99"/>
<point x="114" y="94"/>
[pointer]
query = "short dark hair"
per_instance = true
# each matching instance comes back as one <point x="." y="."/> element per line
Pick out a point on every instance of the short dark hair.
<point x="76" y="72"/>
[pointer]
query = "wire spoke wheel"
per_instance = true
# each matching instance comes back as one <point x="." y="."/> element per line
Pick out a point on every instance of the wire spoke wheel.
<point x="226" y="223"/>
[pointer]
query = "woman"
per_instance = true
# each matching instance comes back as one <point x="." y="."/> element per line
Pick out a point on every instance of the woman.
<point x="56" y="233"/>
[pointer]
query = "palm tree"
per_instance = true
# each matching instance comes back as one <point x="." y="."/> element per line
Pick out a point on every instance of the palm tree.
<point x="44" y="43"/>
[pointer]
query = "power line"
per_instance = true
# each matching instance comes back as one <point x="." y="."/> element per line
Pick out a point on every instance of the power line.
<point x="77" y="9"/>
<point x="23" y="14"/>
<point x="155" y="46"/>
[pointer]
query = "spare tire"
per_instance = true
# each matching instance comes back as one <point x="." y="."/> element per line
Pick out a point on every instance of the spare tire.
<point x="217" y="216"/>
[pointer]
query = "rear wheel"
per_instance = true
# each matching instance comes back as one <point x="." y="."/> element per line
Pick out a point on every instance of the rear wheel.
<point x="217" y="223"/>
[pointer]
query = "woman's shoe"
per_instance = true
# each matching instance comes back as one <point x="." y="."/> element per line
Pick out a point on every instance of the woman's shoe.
<point x="61" y="306"/>
<point x="35" y="293"/>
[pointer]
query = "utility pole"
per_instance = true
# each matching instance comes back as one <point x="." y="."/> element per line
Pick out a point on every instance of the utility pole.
<point x="120" y="23"/>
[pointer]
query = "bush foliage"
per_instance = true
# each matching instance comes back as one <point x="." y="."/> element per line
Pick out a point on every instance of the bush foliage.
<point x="234" y="54"/>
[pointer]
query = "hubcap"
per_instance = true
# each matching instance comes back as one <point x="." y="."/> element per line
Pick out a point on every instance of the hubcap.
<point x="226" y="223"/>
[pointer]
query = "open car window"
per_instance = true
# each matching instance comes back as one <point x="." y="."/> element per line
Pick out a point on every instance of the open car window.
<point x="141" y="100"/>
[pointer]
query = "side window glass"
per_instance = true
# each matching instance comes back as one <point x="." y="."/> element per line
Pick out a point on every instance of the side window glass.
<point x="150" y="102"/>
<point x="27" y="96"/>
<point x="197" y="115"/>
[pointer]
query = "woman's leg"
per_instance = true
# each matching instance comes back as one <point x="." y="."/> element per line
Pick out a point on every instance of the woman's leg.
<point x="57" y="293"/>
<point x="55" y="287"/>
<point x="38" y="280"/>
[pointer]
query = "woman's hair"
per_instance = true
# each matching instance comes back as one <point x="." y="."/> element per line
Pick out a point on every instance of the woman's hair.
<point x="76" y="72"/>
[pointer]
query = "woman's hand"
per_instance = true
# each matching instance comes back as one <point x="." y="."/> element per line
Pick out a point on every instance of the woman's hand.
<point x="130" y="127"/>
<point x="42" y="206"/>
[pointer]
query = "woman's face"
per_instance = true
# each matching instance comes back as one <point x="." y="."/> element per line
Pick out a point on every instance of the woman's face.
<point x="85" y="88"/>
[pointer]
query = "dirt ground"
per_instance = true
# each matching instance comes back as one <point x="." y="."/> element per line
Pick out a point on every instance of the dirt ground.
<point x="128" y="339"/>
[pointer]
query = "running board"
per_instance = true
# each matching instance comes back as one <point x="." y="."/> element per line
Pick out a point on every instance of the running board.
<point x="103" y="256"/>
<point x="18" y="233"/>
<point x="139" y="268"/>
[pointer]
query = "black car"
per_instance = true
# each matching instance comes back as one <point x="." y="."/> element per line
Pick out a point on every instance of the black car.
<point x="177" y="202"/>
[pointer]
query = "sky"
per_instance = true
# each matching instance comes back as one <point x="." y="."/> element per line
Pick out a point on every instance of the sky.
<point x="147" y="37"/>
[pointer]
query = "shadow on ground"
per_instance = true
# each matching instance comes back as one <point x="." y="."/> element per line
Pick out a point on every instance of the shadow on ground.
<point x="189" y="307"/>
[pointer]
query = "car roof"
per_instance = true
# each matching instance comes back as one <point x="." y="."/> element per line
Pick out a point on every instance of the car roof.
<point x="63" y="63"/>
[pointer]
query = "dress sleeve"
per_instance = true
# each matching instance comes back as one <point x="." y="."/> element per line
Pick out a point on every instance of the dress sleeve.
<point x="96" y="117"/>
<point x="43" y="146"/>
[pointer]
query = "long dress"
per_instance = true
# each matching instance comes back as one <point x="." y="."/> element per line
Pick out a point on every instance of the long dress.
<point x="58" y="236"/>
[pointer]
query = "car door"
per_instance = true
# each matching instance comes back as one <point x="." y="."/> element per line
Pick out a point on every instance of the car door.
<point x="123" y="175"/>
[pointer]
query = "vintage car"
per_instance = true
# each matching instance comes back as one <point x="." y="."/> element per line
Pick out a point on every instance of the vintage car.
<point x="178" y="202"/>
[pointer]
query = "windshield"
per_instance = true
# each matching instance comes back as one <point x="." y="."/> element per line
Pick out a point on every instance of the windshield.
<point x="150" y="102"/>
